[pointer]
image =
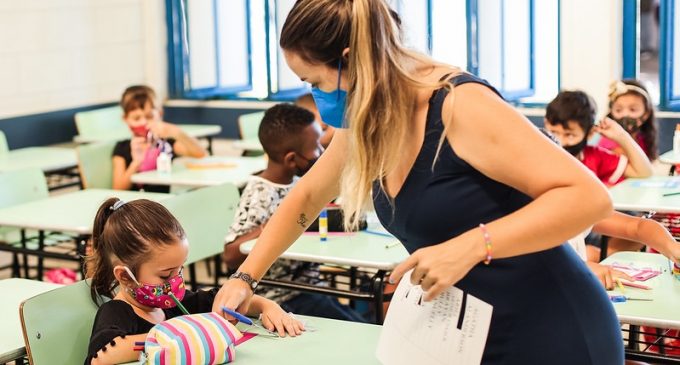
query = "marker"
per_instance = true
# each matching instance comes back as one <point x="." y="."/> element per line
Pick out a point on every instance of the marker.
<point x="623" y="299"/>
<point x="245" y="320"/>
<point x="323" y="225"/>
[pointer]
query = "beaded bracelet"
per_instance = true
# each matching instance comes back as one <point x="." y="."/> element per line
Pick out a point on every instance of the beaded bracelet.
<point x="487" y="243"/>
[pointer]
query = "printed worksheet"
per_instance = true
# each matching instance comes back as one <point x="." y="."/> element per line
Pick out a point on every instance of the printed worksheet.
<point x="451" y="329"/>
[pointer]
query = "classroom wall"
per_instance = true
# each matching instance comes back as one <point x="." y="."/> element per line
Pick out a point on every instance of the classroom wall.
<point x="67" y="55"/>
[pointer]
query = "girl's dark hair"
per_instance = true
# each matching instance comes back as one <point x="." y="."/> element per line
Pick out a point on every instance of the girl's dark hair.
<point x="124" y="236"/>
<point x="648" y="130"/>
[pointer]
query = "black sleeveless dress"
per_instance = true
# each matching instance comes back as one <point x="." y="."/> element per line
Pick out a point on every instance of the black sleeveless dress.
<point x="547" y="306"/>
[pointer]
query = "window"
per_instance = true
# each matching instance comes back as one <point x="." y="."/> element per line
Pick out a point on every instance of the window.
<point x="669" y="54"/>
<point x="651" y="48"/>
<point x="229" y="48"/>
<point x="209" y="47"/>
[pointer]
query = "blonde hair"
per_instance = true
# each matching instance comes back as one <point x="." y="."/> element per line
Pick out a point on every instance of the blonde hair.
<point x="382" y="79"/>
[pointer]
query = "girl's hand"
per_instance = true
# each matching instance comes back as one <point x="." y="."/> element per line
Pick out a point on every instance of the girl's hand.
<point x="235" y="294"/>
<point x="607" y="275"/>
<point x="438" y="267"/>
<point x="672" y="252"/>
<point x="275" y="319"/>
<point x="161" y="129"/>
<point x="611" y="129"/>
<point x="138" y="148"/>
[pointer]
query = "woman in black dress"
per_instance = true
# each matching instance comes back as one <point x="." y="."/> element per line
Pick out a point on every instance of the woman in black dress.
<point x="475" y="193"/>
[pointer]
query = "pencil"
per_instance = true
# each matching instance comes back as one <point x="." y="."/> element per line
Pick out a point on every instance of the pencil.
<point x="392" y="244"/>
<point x="671" y="194"/>
<point x="618" y="282"/>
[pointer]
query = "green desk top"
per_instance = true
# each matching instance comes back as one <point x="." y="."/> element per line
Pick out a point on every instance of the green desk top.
<point x="208" y="171"/>
<point x="647" y="194"/>
<point x="71" y="212"/>
<point x="250" y="144"/>
<point x="664" y="311"/>
<point x="193" y="130"/>
<point x="15" y="291"/>
<point x="358" y="249"/>
<point x="44" y="158"/>
<point x="333" y="342"/>
<point x="670" y="158"/>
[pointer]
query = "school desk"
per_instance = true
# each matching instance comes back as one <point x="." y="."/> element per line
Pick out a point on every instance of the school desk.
<point x="208" y="171"/>
<point x="250" y="145"/>
<point x="206" y="131"/>
<point x="662" y="312"/>
<point x="356" y="250"/>
<point x="642" y="195"/>
<point x="53" y="161"/>
<point x="15" y="291"/>
<point x="331" y="342"/>
<point x="71" y="213"/>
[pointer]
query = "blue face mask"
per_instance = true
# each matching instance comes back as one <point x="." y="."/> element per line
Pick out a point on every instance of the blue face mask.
<point x="331" y="105"/>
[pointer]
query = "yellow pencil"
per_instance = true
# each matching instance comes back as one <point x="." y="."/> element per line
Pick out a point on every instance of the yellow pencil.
<point x="618" y="282"/>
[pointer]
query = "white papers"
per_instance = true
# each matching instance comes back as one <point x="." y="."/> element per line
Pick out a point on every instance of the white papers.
<point x="451" y="329"/>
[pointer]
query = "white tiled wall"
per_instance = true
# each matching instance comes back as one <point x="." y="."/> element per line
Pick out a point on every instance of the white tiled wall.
<point x="60" y="54"/>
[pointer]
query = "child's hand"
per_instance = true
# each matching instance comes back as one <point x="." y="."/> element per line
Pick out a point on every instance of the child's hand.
<point x="607" y="275"/>
<point x="612" y="130"/>
<point x="161" y="129"/>
<point x="275" y="319"/>
<point x="672" y="252"/>
<point x="138" y="147"/>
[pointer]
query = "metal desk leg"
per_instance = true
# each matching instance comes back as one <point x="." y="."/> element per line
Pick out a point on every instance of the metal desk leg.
<point x="24" y="255"/>
<point x="604" y="244"/>
<point x="192" y="272"/>
<point x="378" y="290"/>
<point x="41" y="248"/>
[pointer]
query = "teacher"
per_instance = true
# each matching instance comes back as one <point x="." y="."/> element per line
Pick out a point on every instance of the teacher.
<point x="470" y="187"/>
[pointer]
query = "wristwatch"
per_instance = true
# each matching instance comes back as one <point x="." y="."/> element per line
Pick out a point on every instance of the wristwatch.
<point x="252" y="283"/>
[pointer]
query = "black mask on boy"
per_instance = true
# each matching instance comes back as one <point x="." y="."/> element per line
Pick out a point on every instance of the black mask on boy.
<point x="576" y="149"/>
<point x="300" y="171"/>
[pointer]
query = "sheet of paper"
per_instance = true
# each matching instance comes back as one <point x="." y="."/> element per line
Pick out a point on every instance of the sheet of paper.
<point x="452" y="329"/>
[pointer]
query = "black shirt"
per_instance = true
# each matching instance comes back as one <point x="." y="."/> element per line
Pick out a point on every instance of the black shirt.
<point x="117" y="318"/>
<point x="123" y="149"/>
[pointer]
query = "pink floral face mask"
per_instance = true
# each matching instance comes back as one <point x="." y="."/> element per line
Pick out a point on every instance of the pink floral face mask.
<point x="158" y="295"/>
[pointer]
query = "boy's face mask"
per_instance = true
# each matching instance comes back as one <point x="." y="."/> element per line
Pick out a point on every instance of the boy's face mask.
<point x="158" y="295"/>
<point x="576" y="149"/>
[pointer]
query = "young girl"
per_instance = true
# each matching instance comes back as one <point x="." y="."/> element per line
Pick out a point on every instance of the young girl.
<point x="631" y="106"/>
<point x="151" y="136"/>
<point x="141" y="248"/>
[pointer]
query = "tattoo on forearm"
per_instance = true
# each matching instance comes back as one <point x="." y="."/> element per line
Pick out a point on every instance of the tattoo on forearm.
<point x="302" y="221"/>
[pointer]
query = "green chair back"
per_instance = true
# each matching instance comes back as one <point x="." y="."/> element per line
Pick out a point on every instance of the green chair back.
<point x="249" y="124"/>
<point x="4" y="146"/>
<point x="101" y="124"/>
<point x="205" y="215"/>
<point x="57" y="324"/>
<point x="22" y="186"/>
<point x="95" y="163"/>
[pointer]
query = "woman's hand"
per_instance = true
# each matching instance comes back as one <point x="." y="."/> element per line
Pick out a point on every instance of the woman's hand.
<point x="235" y="294"/>
<point x="274" y="318"/>
<point x="606" y="275"/>
<point x="438" y="267"/>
